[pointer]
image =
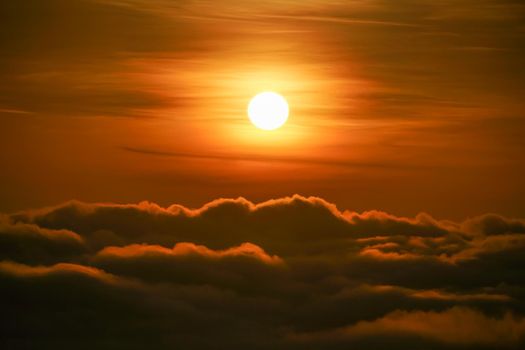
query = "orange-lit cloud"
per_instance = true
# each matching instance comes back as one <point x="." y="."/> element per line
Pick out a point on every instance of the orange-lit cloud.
<point x="245" y="250"/>
<point x="456" y="326"/>
<point x="296" y="271"/>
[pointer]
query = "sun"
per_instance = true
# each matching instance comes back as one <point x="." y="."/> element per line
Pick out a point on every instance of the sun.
<point x="268" y="110"/>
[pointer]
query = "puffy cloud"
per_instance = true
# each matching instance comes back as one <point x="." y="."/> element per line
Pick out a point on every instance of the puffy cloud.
<point x="458" y="326"/>
<point x="70" y="304"/>
<point x="289" y="273"/>
<point x="493" y="224"/>
<point x="278" y="225"/>
<point x="245" y="250"/>
<point x="190" y="264"/>
<point x="33" y="244"/>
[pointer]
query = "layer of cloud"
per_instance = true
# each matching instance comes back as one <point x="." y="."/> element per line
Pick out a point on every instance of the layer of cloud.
<point x="457" y="326"/>
<point x="290" y="273"/>
<point x="33" y="244"/>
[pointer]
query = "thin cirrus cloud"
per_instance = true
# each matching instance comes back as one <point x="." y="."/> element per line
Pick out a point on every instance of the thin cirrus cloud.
<point x="293" y="272"/>
<point x="266" y="159"/>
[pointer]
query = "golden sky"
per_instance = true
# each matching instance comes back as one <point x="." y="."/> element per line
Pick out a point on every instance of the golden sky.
<point x="141" y="209"/>
<point x="403" y="106"/>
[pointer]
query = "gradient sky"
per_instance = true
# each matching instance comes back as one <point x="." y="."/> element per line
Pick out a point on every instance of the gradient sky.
<point x="403" y="106"/>
<point x="140" y="208"/>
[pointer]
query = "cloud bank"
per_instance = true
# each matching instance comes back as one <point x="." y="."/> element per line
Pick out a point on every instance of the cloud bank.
<point x="290" y="273"/>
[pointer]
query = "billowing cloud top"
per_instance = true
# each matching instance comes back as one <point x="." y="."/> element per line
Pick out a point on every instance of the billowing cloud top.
<point x="291" y="273"/>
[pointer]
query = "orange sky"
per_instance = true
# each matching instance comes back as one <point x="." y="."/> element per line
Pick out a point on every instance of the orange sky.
<point x="401" y="106"/>
<point x="141" y="209"/>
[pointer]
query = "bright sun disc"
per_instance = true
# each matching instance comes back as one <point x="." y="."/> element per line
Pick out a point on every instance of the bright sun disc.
<point x="268" y="110"/>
